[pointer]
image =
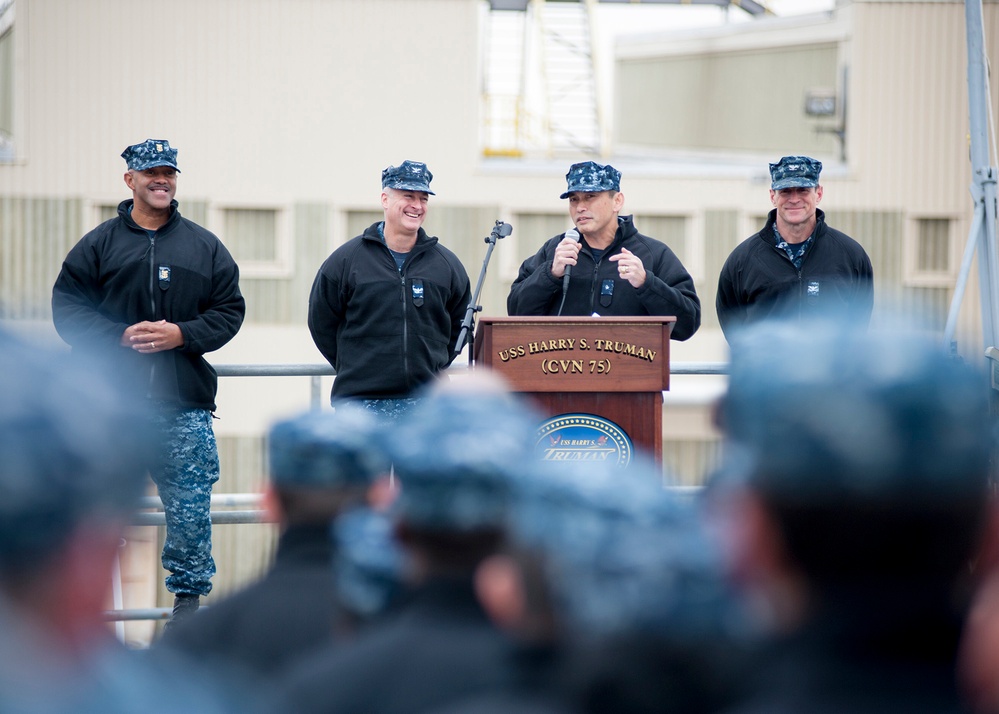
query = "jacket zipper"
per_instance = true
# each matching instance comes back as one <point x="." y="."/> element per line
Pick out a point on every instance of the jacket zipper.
<point x="405" y="312"/>
<point x="152" y="303"/>
<point x="405" y="329"/>
<point x="798" y="271"/>
<point x="596" y="283"/>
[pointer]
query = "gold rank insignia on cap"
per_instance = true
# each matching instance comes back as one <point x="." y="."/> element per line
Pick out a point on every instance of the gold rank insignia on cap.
<point x="159" y="147"/>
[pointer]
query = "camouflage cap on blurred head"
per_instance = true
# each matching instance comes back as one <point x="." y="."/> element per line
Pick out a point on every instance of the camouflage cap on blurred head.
<point x="619" y="551"/>
<point x="149" y="154"/>
<point x="455" y="454"/>
<point x="368" y="563"/>
<point x="327" y="450"/>
<point x="795" y="172"/>
<point x="831" y="413"/>
<point x="74" y="450"/>
<point x="408" y="176"/>
<point x="591" y="177"/>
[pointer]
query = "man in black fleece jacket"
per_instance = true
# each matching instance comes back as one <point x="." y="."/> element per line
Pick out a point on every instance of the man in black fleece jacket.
<point x="797" y="266"/>
<point x="386" y="307"/>
<point x="604" y="266"/>
<point x="148" y="293"/>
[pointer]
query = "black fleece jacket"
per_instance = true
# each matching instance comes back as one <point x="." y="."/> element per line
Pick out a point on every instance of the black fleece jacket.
<point x="387" y="332"/>
<point x="759" y="281"/>
<point x="595" y="287"/>
<point x="119" y="274"/>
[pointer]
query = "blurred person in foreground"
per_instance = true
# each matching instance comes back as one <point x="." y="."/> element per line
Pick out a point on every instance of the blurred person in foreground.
<point x="852" y="503"/>
<point x="322" y="465"/>
<point x="149" y="293"/>
<point x="613" y="269"/>
<point x="73" y="461"/>
<point x="613" y="598"/>
<point x="797" y="267"/>
<point x="368" y="568"/>
<point x="455" y="454"/>
<point x="386" y="307"/>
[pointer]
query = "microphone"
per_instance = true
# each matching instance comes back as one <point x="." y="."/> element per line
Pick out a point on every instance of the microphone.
<point x="572" y="234"/>
<point x="500" y="230"/>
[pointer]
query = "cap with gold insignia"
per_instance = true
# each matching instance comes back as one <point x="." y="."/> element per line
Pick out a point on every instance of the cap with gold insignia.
<point x="149" y="154"/>
<point x="795" y="172"/>
<point x="591" y="177"/>
<point x="408" y="176"/>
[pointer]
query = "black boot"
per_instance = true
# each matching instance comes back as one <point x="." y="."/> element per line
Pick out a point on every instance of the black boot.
<point x="184" y="605"/>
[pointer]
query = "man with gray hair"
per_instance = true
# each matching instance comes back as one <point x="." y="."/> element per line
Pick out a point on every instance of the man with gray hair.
<point x="386" y="307"/>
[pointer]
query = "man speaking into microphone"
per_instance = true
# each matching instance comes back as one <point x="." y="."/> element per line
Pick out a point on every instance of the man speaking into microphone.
<point x="604" y="266"/>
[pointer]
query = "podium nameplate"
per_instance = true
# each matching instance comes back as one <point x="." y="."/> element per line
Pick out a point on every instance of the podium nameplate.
<point x="579" y="354"/>
<point x="600" y="375"/>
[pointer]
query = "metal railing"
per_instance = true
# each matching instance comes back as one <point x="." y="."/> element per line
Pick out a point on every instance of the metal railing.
<point x="316" y="372"/>
<point x="145" y="517"/>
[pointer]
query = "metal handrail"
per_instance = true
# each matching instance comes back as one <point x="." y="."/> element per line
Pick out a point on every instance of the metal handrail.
<point x="326" y="370"/>
<point x="316" y="371"/>
<point x="227" y="500"/>
<point x="219" y="518"/>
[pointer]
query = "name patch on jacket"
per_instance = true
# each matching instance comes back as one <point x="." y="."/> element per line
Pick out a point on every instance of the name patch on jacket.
<point x="418" y="292"/>
<point x="164" y="276"/>
<point x="606" y="292"/>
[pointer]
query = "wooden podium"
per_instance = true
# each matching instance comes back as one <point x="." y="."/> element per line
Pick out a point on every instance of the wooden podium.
<point x="614" y="368"/>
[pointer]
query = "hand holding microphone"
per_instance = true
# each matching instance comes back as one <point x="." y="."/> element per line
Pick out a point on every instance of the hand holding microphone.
<point x="565" y="256"/>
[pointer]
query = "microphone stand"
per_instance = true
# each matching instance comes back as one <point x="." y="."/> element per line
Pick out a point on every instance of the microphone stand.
<point x="500" y="230"/>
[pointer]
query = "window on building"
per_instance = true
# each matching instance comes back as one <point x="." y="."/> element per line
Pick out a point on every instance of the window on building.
<point x="358" y="222"/>
<point x="673" y="231"/>
<point x="258" y="238"/>
<point x="933" y="245"/>
<point x="104" y="212"/>
<point x="530" y="231"/>
<point x="929" y="253"/>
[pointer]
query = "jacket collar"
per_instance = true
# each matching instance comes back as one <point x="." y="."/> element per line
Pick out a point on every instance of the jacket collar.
<point x="125" y="213"/>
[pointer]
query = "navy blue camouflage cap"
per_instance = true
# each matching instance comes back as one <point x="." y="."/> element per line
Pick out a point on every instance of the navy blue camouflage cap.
<point x="620" y="552"/>
<point x="591" y="177"/>
<point x="327" y="449"/>
<point x="455" y="454"/>
<point x="795" y="172"/>
<point x="149" y="154"/>
<point x="408" y="176"/>
<point x="73" y="451"/>
<point x="829" y="413"/>
<point x="368" y="564"/>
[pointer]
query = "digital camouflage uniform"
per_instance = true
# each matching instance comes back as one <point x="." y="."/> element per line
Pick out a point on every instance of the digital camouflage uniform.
<point x="184" y="477"/>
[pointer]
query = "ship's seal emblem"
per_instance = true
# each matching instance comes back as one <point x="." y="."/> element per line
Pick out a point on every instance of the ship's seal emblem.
<point x="583" y="437"/>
